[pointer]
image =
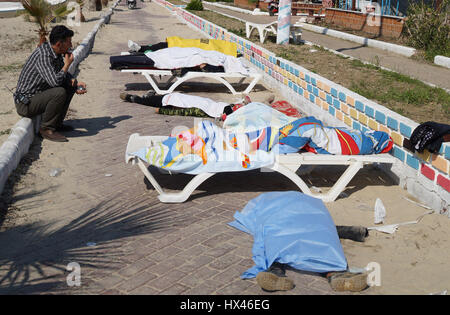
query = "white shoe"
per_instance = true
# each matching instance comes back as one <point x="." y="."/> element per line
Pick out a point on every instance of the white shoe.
<point x="133" y="46"/>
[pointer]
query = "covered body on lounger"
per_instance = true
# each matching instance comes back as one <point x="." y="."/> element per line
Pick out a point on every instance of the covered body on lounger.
<point x="184" y="64"/>
<point x="207" y="149"/>
<point x="176" y="58"/>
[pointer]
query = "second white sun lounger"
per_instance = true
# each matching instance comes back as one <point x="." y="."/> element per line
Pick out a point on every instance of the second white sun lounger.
<point x="150" y="75"/>
<point x="265" y="29"/>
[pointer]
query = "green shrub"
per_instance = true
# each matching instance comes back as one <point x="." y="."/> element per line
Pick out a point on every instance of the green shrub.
<point x="428" y="29"/>
<point x="195" y="5"/>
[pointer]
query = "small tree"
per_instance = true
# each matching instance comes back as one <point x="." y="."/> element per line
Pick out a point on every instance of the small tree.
<point x="195" y="5"/>
<point x="95" y="5"/>
<point x="81" y="4"/>
<point x="43" y="13"/>
<point x="427" y="27"/>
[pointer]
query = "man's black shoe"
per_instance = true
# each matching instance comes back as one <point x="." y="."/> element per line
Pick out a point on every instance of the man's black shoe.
<point x="355" y="233"/>
<point x="127" y="97"/>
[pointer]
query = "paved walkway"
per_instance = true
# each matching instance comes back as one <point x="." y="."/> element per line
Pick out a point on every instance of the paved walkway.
<point x="100" y="214"/>
<point x="429" y="73"/>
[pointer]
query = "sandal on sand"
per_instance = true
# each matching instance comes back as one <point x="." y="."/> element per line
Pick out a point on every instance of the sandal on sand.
<point x="269" y="281"/>
<point x="347" y="281"/>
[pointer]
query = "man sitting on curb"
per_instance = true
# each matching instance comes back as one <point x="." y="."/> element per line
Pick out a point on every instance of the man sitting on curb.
<point x="46" y="87"/>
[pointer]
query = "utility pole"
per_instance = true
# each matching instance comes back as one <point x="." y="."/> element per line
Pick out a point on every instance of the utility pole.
<point x="284" y="21"/>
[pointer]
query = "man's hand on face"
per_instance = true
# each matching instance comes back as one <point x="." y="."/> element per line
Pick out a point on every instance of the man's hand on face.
<point x="68" y="59"/>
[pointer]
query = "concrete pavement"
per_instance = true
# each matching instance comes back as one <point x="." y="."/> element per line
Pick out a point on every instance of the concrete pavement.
<point x="100" y="215"/>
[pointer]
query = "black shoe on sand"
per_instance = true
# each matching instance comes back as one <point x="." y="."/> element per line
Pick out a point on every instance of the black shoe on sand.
<point x="355" y="233"/>
<point x="127" y="97"/>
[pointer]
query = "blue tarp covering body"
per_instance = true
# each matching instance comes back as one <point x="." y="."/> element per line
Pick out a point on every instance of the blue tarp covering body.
<point x="291" y="228"/>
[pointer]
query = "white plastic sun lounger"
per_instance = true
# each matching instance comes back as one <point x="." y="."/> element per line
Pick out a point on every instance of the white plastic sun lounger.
<point x="286" y="164"/>
<point x="265" y="29"/>
<point x="150" y="74"/>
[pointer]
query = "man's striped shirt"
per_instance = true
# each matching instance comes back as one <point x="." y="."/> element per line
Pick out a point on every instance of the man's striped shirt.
<point x="42" y="70"/>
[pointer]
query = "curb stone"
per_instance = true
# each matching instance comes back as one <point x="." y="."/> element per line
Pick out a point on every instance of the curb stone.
<point x="398" y="49"/>
<point x="23" y="132"/>
<point x="442" y="61"/>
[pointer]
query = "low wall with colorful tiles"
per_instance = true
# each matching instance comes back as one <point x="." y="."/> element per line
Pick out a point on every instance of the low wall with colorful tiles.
<point x="425" y="176"/>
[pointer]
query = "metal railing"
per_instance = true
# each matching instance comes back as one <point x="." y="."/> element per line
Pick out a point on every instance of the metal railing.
<point x="385" y="7"/>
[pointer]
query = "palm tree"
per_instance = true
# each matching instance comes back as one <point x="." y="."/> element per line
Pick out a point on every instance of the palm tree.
<point x="95" y="5"/>
<point x="81" y="4"/>
<point x="43" y="13"/>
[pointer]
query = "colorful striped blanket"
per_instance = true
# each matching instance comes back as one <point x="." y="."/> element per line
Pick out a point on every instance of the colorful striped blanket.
<point x="209" y="148"/>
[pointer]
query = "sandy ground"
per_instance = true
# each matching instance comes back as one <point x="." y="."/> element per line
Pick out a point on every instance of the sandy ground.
<point x="414" y="260"/>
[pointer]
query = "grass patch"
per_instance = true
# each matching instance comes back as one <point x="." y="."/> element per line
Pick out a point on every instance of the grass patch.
<point x="239" y="32"/>
<point x="11" y="67"/>
<point x="394" y="88"/>
<point x="177" y="2"/>
<point x="5" y="132"/>
<point x="287" y="53"/>
<point x="359" y="64"/>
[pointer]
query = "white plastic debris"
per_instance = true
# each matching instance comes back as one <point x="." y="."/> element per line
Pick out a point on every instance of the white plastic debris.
<point x="439" y="293"/>
<point x="54" y="172"/>
<point x="392" y="228"/>
<point x="316" y="189"/>
<point x="108" y="175"/>
<point x="419" y="204"/>
<point x="256" y="11"/>
<point x="312" y="50"/>
<point x="389" y="229"/>
<point x="91" y="244"/>
<point x="380" y="211"/>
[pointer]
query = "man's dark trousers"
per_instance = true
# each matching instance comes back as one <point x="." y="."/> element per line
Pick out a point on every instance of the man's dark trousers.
<point x="52" y="104"/>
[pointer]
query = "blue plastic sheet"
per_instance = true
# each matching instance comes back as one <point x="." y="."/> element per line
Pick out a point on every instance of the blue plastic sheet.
<point x="291" y="228"/>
